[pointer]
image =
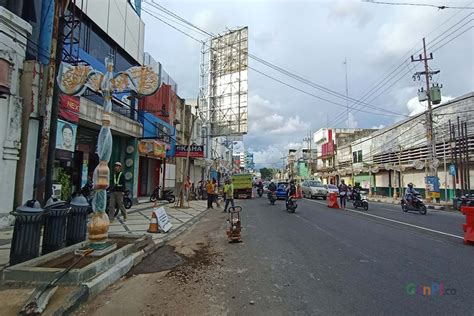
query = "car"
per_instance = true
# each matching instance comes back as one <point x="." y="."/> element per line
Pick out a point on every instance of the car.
<point x="313" y="189"/>
<point x="281" y="190"/>
<point x="332" y="188"/>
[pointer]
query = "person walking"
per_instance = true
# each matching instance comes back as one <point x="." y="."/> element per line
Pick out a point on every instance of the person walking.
<point x="116" y="193"/>
<point x="229" y="195"/>
<point x="187" y="188"/>
<point x="210" y="193"/>
<point x="226" y="186"/>
<point x="343" y="190"/>
<point x="216" y="192"/>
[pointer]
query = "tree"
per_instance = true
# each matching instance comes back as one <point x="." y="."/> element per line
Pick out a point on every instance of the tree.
<point x="266" y="173"/>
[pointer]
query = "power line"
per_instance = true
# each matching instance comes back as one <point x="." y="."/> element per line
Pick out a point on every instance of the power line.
<point x="440" y="7"/>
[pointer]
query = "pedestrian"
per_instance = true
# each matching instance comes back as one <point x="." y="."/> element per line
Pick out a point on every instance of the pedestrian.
<point x="226" y="186"/>
<point x="210" y="193"/>
<point x="187" y="188"/>
<point x="229" y="195"/>
<point x="116" y="193"/>
<point x="216" y="192"/>
<point x="343" y="194"/>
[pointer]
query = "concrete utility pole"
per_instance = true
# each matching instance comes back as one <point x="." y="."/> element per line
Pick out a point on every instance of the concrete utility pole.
<point x="430" y="136"/>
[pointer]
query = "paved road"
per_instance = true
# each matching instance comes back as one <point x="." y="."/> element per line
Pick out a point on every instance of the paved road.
<point x="325" y="261"/>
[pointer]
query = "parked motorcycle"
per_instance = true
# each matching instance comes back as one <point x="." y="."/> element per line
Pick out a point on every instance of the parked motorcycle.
<point x="417" y="205"/>
<point x="291" y="204"/>
<point x="260" y="192"/>
<point x="360" y="200"/>
<point x="167" y="195"/>
<point x="272" y="197"/>
<point x="87" y="191"/>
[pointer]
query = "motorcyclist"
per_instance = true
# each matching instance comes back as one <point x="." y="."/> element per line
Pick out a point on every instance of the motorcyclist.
<point x="410" y="192"/>
<point x="260" y="185"/>
<point x="291" y="190"/>
<point x="356" y="191"/>
<point x="271" y="188"/>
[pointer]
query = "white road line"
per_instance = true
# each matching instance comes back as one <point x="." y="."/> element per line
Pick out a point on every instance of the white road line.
<point x="395" y="221"/>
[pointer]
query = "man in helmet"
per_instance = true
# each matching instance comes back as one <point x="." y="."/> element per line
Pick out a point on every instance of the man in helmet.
<point x="271" y="188"/>
<point x="410" y="192"/>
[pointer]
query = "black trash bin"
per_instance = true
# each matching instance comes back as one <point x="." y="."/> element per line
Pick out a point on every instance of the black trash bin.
<point x="54" y="233"/>
<point x="26" y="232"/>
<point x="77" y="221"/>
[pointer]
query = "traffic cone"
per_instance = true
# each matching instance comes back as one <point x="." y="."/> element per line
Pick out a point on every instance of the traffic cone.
<point x="153" y="224"/>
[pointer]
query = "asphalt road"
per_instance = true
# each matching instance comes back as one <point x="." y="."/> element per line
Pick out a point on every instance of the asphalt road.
<point x="339" y="262"/>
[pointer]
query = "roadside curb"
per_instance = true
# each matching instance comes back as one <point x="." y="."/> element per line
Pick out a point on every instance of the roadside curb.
<point x="88" y="290"/>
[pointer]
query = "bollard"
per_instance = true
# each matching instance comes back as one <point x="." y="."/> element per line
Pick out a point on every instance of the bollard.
<point x="54" y="233"/>
<point x="77" y="221"/>
<point x="26" y="232"/>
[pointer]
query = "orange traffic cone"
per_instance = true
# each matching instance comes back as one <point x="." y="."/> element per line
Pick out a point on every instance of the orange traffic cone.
<point x="153" y="224"/>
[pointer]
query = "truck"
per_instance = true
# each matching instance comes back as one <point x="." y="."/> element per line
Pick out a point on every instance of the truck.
<point x="242" y="185"/>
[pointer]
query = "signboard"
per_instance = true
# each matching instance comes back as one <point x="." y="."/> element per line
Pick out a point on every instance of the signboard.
<point x="69" y="108"/>
<point x="163" y="221"/>
<point x="66" y="136"/>
<point x="452" y="170"/>
<point x="152" y="148"/>
<point x="196" y="151"/>
<point x="432" y="183"/>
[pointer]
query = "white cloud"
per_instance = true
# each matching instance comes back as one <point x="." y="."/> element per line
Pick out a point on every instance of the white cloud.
<point x="378" y="126"/>
<point x="415" y="107"/>
<point x="351" y="122"/>
<point x="350" y="10"/>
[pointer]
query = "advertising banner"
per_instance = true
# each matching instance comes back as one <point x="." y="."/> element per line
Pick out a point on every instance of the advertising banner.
<point x="69" y="108"/>
<point x="196" y="151"/>
<point x="66" y="136"/>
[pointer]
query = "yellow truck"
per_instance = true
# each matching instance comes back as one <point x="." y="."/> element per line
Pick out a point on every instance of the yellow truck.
<point x="242" y="185"/>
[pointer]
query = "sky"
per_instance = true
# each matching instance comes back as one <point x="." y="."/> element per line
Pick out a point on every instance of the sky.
<point x="313" y="39"/>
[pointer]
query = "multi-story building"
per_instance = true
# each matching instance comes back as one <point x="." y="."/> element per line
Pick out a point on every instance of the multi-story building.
<point x="327" y="141"/>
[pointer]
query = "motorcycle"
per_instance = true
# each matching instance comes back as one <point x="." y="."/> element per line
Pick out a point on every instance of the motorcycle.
<point x="167" y="195"/>
<point x="291" y="204"/>
<point x="360" y="200"/>
<point x="272" y="197"/>
<point x="417" y="204"/>
<point x="260" y="192"/>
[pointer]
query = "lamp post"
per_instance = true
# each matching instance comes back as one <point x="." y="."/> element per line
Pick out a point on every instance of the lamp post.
<point x="74" y="80"/>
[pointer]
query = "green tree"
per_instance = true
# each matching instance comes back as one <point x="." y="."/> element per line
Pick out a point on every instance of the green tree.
<point x="266" y="173"/>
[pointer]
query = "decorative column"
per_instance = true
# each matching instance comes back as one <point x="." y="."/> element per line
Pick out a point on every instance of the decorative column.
<point x="74" y="80"/>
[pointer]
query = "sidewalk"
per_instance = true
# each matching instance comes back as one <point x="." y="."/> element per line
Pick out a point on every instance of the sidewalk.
<point x="137" y="223"/>
<point x="443" y="205"/>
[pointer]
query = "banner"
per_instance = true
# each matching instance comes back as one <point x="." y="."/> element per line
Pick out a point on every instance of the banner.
<point x="152" y="148"/>
<point x="66" y="136"/>
<point x="162" y="218"/>
<point x="196" y="151"/>
<point x="69" y="108"/>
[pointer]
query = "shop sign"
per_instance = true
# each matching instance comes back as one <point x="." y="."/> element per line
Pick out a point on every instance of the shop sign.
<point x="152" y="148"/>
<point x="66" y="136"/>
<point x="69" y="109"/>
<point x="196" y="151"/>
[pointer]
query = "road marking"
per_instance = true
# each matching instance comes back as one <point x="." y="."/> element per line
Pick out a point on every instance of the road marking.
<point x="398" y="222"/>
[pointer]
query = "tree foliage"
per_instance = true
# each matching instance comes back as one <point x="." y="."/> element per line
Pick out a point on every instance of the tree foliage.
<point x="266" y="173"/>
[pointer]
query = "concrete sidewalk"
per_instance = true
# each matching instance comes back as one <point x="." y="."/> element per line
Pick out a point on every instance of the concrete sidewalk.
<point x="138" y="222"/>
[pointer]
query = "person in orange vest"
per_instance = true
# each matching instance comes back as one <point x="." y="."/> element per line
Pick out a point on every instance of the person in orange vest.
<point x="210" y="193"/>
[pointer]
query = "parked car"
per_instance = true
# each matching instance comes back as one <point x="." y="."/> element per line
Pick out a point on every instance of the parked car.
<point x="332" y="188"/>
<point x="281" y="190"/>
<point x="313" y="189"/>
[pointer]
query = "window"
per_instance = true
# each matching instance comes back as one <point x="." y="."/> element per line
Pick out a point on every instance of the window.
<point x="357" y="156"/>
<point x="122" y="62"/>
<point x="98" y="47"/>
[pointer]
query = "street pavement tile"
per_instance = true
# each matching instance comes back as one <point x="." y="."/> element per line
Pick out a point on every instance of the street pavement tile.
<point x="117" y="229"/>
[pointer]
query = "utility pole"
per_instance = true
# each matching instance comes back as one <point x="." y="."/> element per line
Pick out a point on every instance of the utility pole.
<point x="347" y="92"/>
<point x="430" y="136"/>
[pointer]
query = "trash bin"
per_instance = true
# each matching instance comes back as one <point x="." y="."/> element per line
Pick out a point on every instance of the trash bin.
<point x="54" y="233"/>
<point x="77" y="221"/>
<point x="26" y="232"/>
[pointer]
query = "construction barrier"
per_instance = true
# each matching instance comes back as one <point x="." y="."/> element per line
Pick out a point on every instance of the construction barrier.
<point x="469" y="226"/>
<point x="332" y="200"/>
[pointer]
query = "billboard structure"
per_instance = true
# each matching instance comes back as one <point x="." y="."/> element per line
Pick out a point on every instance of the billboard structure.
<point x="224" y="84"/>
